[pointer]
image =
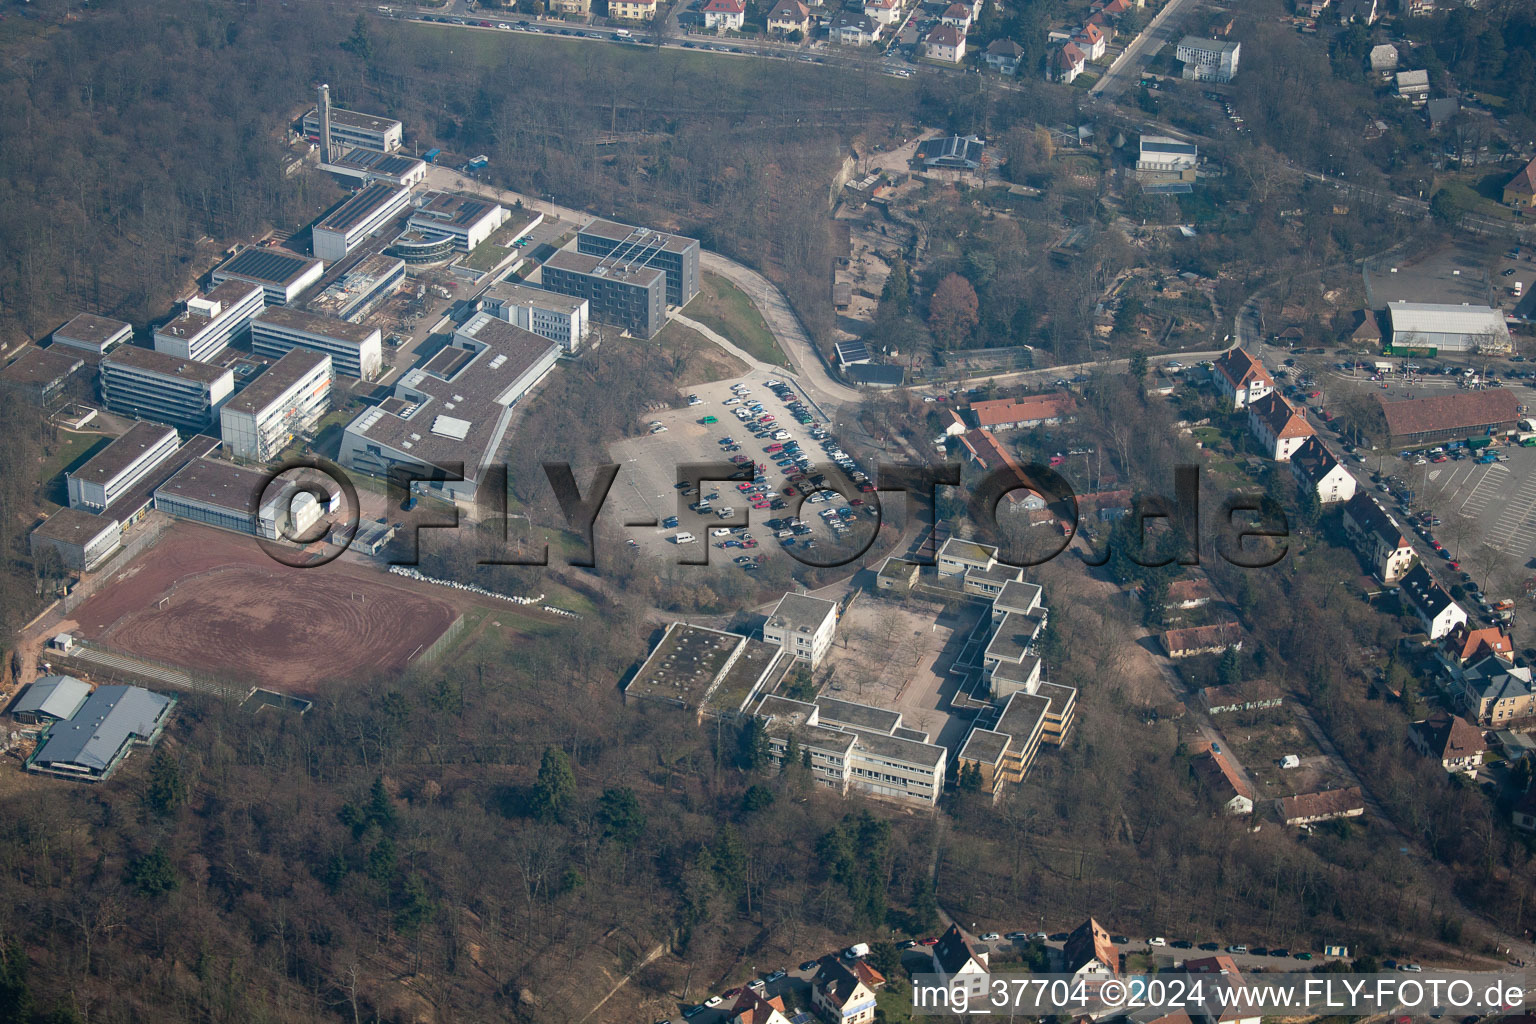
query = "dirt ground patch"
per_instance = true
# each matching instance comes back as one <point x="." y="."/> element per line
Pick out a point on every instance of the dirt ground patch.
<point x="214" y="603"/>
<point x="1261" y="738"/>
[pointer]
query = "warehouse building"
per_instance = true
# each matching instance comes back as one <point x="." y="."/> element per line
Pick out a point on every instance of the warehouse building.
<point x="117" y="468"/>
<point x="210" y="322"/>
<point x="354" y="350"/>
<point x="92" y="333"/>
<point x="38" y="375"/>
<point x="560" y="318"/>
<point x="360" y="290"/>
<point x="369" y="209"/>
<point x="244" y="500"/>
<point x="282" y="275"/>
<point x="50" y="699"/>
<point x="1432" y="419"/>
<point x="94" y="741"/>
<point x="1208" y="60"/>
<point x="351" y="128"/>
<point x="150" y="385"/>
<point x="622" y="245"/>
<point x="287" y="400"/>
<point x="82" y="539"/>
<point x="1447" y="328"/>
<point x="466" y="220"/>
<point x="633" y="298"/>
<point x="453" y="410"/>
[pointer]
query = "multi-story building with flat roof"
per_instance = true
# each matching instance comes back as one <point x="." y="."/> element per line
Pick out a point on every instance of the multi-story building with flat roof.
<point x="560" y="318"/>
<point x="365" y="166"/>
<point x="151" y="385"/>
<point x="369" y="209"/>
<point x="93" y="333"/>
<point x="287" y="400"/>
<point x="623" y="245"/>
<point x="803" y="626"/>
<point x="453" y="411"/>
<point x="354" y="350"/>
<point x="359" y="290"/>
<point x="282" y="275"/>
<point x="210" y="322"/>
<point x="631" y="297"/>
<point x="113" y="471"/>
<point x="467" y="220"/>
<point x="707" y="671"/>
<point x="1208" y="60"/>
<point x="351" y="128"/>
<point x="39" y="375"/>
<point x="83" y="539"/>
<point x="244" y="500"/>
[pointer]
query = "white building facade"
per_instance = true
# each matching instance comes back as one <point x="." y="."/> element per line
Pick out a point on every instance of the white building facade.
<point x="210" y="322"/>
<point x="284" y="402"/>
<point x="114" y="470"/>
<point x="355" y="351"/>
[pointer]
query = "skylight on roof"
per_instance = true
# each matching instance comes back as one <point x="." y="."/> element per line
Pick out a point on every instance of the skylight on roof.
<point x="451" y="426"/>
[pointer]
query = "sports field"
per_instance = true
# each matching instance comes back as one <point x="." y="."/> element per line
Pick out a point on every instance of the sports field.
<point x="214" y="603"/>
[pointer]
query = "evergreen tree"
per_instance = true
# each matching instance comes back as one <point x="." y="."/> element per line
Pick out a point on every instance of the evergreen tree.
<point x="167" y="791"/>
<point x="152" y="874"/>
<point x="555" y="788"/>
<point x="897" y="293"/>
<point x="1230" y="671"/>
<point x="620" y="815"/>
<point x="752" y="745"/>
<point x="791" y="753"/>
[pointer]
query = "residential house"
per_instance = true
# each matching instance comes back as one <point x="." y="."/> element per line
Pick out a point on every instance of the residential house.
<point x="571" y="8"/>
<point x="1003" y="55"/>
<point x="1360" y="11"/>
<point x="789" y="17"/>
<point x="946" y="43"/>
<point x="1441" y="111"/>
<point x="1067" y="64"/>
<point x="1383" y="59"/>
<point x="1193" y="640"/>
<point x="1413" y="86"/>
<point x="1311" y="8"/>
<point x="1367" y="331"/>
<point x="1217" y="776"/>
<point x="1495" y="694"/>
<point x="752" y="1008"/>
<point x="725" y="15"/>
<point x="1090" y="39"/>
<point x="958" y="15"/>
<point x="1523" y="814"/>
<point x="1464" y="645"/>
<point x="852" y="28"/>
<point x="883" y="12"/>
<point x="1088" y="951"/>
<point x="1428" y="600"/>
<point x="1254" y="695"/>
<point x="844" y="993"/>
<point x="1278" y="425"/>
<point x="1242" y="378"/>
<point x="1318" y="472"/>
<point x="1520" y="192"/>
<point x="1377" y="538"/>
<point x="1024" y="413"/>
<point x="1187" y="594"/>
<point x="959" y="965"/>
<point x="1309" y="808"/>
<point x="1223" y="1004"/>
<point x="1451" y="740"/>
<point x="632" y="10"/>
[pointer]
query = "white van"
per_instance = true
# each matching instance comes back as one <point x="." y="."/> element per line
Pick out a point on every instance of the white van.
<point x="684" y="538"/>
<point x="622" y="33"/>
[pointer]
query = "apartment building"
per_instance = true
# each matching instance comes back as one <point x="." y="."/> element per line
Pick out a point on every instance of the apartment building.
<point x="286" y="401"/>
<point x="117" y="468"/>
<point x="1318" y="472"/>
<point x="675" y="256"/>
<point x="1377" y="538"/>
<point x="150" y="385"/>
<point x="560" y="318"/>
<point x="353" y="350"/>
<point x="802" y="626"/>
<point x="210" y="322"/>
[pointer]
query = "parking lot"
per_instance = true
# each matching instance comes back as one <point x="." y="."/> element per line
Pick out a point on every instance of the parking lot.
<point x="709" y="429"/>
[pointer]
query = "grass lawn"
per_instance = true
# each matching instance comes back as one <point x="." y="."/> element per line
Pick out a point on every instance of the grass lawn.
<point x="726" y="309"/>
<point x="486" y="256"/>
<point x="701" y="359"/>
<point x="71" y="451"/>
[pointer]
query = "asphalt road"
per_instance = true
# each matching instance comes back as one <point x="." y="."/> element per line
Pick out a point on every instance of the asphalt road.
<point x="1165" y="29"/>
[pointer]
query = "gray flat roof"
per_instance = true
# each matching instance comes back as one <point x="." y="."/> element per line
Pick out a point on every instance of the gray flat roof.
<point x="453" y="209"/>
<point x="894" y="747"/>
<point x="276" y="379"/>
<point x="861" y="716"/>
<point x="584" y="263"/>
<point x="274" y="266"/>
<point x="985" y="746"/>
<point x="614" y="231"/>
<point x="74" y="526"/>
<point x="42" y="366"/>
<point x="91" y="329"/>
<point x="1013" y="636"/>
<point x="1022" y="715"/>
<point x="796" y="611"/>
<point x="121" y="453"/>
<point x="108" y="719"/>
<point x="316" y="323"/>
<point x="149" y="360"/>
<point x="750" y="667"/>
<point x="526" y="293"/>
<point x="684" y="665"/>
<point x="355" y="119"/>
<point x="363" y="204"/>
<point x="217" y="483"/>
<point x="1017" y="596"/>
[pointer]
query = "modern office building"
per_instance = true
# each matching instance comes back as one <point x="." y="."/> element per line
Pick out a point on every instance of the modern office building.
<point x="349" y="128"/>
<point x="1208" y="60"/>
<point x="560" y="318"/>
<point x="38" y="375"/>
<point x="210" y="322"/>
<point x="626" y="246"/>
<point x="282" y="275"/>
<point x="355" y="351"/>
<point x="145" y="384"/>
<point x="630" y="297"/>
<point x="93" y="333"/>
<point x="803" y="626"/>
<point x="83" y="539"/>
<point x="117" y="468"/>
<point x="94" y="741"/>
<point x="369" y="209"/>
<point x="359" y="290"/>
<point x="469" y="221"/>
<point x="454" y="410"/>
<point x="244" y="500"/>
<point x="287" y="400"/>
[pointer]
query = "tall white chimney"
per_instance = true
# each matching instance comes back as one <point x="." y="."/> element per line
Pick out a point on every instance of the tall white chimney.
<point x="323" y="108"/>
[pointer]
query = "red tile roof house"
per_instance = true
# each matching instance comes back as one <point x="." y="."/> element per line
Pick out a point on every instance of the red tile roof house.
<point x="1451" y="740"/>
<point x="1242" y="378"/>
<point x="1279" y="426"/>
<point x="1222" y="782"/>
<point x="1068" y="63"/>
<point x="1214" y="639"/>
<point x="1307" y="808"/>
<point x="946" y="43"/>
<point x="1012" y="413"/>
<point x="958" y="15"/>
<point x="1464" y="645"/>
<point x="725" y="15"/>
<point x="1090" y="39"/>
